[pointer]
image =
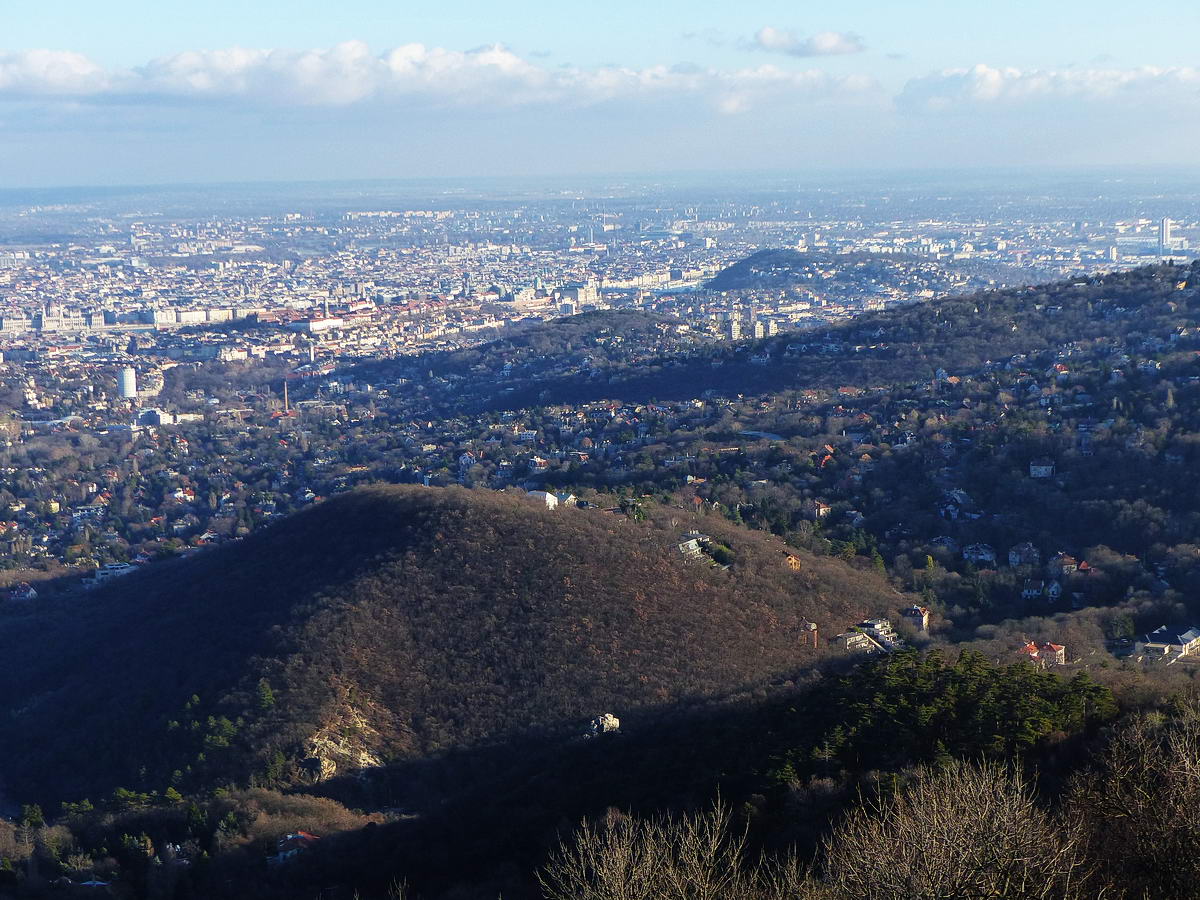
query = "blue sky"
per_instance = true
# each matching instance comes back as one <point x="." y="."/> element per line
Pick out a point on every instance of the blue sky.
<point x="128" y="92"/>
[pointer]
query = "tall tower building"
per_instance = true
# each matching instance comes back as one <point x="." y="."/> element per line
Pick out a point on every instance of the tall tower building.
<point x="128" y="383"/>
<point x="1164" y="235"/>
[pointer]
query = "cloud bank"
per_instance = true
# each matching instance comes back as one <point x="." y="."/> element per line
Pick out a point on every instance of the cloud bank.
<point x="417" y="108"/>
<point x="349" y="73"/>
<point x="494" y="77"/>
<point x="983" y="86"/>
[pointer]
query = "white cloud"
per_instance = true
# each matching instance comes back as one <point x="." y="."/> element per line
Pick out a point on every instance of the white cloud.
<point x="49" y="72"/>
<point x="349" y="73"/>
<point x="983" y="85"/>
<point x="825" y="43"/>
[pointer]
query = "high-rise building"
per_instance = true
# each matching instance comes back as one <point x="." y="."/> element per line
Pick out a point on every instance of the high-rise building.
<point x="128" y="383"/>
<point x="733" y="329"/>
<point x="1164" y="235"/>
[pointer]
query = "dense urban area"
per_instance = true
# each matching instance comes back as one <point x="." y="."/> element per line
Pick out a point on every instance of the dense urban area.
<point x="173" y="380"/>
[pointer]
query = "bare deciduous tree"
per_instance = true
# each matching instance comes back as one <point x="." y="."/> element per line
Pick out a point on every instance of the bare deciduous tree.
<point x="967" y="831"/>
<point x="696" y="857"/>
<point x="1140" y="807"/>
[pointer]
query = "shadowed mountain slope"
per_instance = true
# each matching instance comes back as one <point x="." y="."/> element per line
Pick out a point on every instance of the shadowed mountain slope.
<point x="392" y="623"/>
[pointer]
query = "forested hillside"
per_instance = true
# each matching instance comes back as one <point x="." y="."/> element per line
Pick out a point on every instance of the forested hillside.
<point x="896" y="345"/>
<point x="399" y="622"/>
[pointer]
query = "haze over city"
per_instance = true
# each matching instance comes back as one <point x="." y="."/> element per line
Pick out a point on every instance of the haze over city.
<point x="134" y="92"/>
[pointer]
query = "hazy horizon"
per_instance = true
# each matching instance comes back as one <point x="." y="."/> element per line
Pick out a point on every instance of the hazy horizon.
<point x="301" y="92"/>
<point x="830" y="178"/>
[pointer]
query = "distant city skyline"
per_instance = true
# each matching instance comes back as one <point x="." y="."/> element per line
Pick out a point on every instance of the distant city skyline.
<point x="127" y="95"/>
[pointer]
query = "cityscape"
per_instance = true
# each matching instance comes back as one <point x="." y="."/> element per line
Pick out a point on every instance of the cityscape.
<point x="104" y="334"/>
<point x="646" y="452"/>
